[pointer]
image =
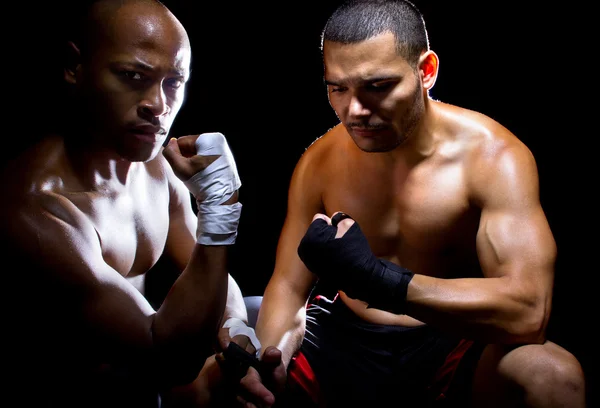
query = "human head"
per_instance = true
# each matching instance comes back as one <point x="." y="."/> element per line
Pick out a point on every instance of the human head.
<point x="378" y="68"/>
<point x="128" y="64"/>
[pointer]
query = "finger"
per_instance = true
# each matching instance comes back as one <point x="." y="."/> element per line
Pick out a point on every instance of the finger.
<point x="323" y="217"/>
<point x="253" y="390"/>
<point x="224" y="338"/>
<point x="244" y="342"/>
<point x="199" y="163"/>
<point x="321" y="227"/>
<point x="172" y="147"/>
<point x="188" y="148"/>
<point x="178" y="163"/>
<point x="187" y="145"/>
<point x="271" y="363"/>
<point x="219" y="358"/>
<point x="339" y="216"/>
<point x="271" y="357"/>
<point x="342" y="222"/>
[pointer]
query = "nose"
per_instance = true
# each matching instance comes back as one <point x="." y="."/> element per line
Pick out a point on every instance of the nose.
<point x="154" y="101"/>
<point x="357" y="108"/>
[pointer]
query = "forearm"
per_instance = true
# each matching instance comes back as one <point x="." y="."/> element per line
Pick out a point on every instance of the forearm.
<point x="510" y="304"/>
<point x="235" y="306"/>
<point x="488" y="309"/>
<point x="186" y="324"/>
<point x="281" y="321"/>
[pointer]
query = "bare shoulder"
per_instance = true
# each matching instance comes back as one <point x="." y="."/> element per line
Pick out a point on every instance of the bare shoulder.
<point x="49" y="231"/>
<point x="312" y="176"/>
<point x="494" y="157"/>
<point x="29" y="176"/>
<point x="40" y="220"/>
<point x="44" y="216"/>
<point x="321" y="153"/>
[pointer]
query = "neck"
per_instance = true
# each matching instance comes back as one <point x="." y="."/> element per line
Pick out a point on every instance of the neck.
<point x="421" y="141"/>
<point x="96" y="166"/>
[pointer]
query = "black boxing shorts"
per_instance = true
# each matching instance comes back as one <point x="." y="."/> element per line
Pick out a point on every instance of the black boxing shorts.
<point x="344" y="361"/>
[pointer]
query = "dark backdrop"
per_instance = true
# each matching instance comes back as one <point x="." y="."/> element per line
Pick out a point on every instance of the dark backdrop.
<point x="257" y="77"/>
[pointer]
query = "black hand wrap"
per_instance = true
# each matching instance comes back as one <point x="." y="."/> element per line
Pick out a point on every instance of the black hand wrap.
<point x="350" y="265"/>
<point x="237" y="360"/>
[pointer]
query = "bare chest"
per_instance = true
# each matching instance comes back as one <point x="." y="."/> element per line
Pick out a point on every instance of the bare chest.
<point x="421" y="218"/>
<point x="132" y="226"/>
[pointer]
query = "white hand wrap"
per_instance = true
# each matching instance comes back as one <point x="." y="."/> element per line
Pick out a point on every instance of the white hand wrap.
<point x="237" y="326"/>
<point x="215" y="184"/>
<point x="217" y="224"/>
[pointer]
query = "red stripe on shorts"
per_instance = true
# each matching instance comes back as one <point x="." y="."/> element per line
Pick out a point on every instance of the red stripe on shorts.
<point x="445" y="374"/>
<point x="301" y="375"/>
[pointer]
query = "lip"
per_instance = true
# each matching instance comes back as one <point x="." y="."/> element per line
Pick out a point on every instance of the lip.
<point x="147" y="133"/>
<point x="366" y="132"/>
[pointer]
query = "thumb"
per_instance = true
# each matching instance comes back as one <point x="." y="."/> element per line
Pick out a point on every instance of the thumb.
<point x="271" y="363"/>
<point x="271" y="357"/>
<point x="178" y="163"/>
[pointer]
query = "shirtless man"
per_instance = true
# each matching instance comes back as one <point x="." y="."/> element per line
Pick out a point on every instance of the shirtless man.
<point x="93" y="209"/>
<point x="435" y="287"/>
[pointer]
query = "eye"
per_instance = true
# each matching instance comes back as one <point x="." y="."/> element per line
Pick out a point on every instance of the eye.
<point x="133" y="75"/>
<point x="174" y="83"/>
<point x="337" y="88"/>
<point x="379" y="86"/>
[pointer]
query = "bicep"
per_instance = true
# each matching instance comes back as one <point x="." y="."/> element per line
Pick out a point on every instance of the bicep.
<point x="67" y="251"/>
<point x="511" y="242"/>
<point x="514" y="238"/>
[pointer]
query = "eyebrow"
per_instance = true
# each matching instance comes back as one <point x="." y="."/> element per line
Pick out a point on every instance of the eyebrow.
<point x="145" y="67"/>
<point x="361" y="81"/>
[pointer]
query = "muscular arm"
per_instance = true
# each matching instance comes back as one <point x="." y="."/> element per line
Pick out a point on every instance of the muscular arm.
<point x="182" y="240"/>
<point x="168" y="345"/>
<point x="517" y="253"/>
<point x="281" y="320"/>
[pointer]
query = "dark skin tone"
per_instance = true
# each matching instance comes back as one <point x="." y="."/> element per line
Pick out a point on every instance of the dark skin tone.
<point x="93" y="212"/>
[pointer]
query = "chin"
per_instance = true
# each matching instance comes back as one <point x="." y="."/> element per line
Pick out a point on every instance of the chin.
<point x="141" y="154"/>
<point x="372" y="146"/>
<point x="150" y="157"/>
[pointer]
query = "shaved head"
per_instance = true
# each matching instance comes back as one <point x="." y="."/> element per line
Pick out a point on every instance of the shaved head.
<point x="129" y="67"/>
<point x="107" y="21"/>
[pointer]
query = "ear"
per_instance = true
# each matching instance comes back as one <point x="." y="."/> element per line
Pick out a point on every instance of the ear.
<point x="428" y="68"/>
<point x="72" y="63"/>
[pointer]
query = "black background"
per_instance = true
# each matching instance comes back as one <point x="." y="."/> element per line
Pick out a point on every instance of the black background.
<point x="257" y="77"/>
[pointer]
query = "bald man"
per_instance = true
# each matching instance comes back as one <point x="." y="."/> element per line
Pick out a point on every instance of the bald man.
<point x="94" y="208"/>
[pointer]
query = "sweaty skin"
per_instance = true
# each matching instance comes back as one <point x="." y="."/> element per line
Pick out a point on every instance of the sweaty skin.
<point x="459" y="193"/>
<point x="446" y="192"/>
<point x="91" y="213"/>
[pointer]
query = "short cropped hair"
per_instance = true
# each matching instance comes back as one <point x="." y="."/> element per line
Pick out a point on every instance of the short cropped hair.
<point x="358" y="20"/>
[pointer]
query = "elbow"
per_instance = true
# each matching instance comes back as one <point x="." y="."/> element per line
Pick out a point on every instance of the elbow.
<point x="530" y="325"/>
<point x="532" y="332"/>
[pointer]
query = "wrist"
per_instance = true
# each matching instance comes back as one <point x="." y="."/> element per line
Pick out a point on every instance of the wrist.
<point x="237" y="327"/>
<point x="388" y="288"/>
<point x="218" y="224"/>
